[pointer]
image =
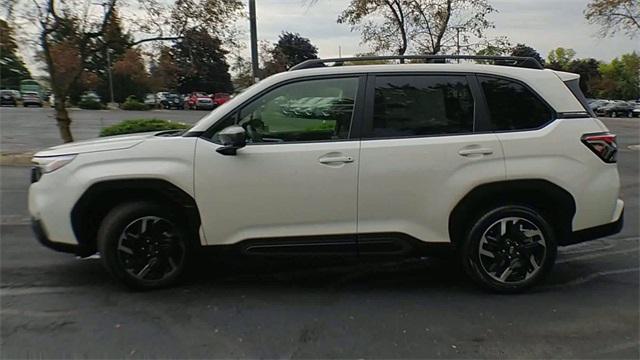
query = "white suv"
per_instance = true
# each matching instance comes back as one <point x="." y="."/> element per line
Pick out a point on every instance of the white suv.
<point x="501" y="163"/>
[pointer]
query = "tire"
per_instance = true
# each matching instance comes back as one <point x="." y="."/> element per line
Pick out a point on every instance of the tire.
<point x="613" y="114"/>
<point x="144" y="245"/>
<point x="496" y="248"/>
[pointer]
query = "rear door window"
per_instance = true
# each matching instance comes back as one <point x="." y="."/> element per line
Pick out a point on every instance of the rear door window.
<point x="423" y="105"/>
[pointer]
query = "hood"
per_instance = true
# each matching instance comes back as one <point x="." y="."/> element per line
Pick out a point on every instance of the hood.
<point x="100" y="144"/>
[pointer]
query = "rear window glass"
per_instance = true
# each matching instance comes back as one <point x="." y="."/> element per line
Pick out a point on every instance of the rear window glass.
<point x="512" y="106"/>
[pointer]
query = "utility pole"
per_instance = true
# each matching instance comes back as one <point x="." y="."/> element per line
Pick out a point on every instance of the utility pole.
<point x="458" y="28"/>
<point x="254" y="40"/>
<point x="112" y="102"/>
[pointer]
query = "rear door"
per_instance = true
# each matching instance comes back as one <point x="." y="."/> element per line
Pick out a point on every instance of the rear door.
<point x="420" y="154"/>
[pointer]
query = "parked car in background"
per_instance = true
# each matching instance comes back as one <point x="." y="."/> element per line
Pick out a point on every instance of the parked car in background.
<point x="16" y="94"/>
<point x="616" y="108"/>
<point x="220" y="98"/>
<point x="31" y="98"/>
<point x="31" y="86"/>
<point x="7" y="97"/>
<point x="200" y="101"/>
<point x="161" y="95"/>
<point x="636" y="110"/>
<point x="90" y="96"/>
<point x="151" y="100"/>
<point x="596" y="104"/>
<point x="172" y="101"/>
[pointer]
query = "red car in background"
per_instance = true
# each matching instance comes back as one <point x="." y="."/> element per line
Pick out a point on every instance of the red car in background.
<point x="199" y="101"/>
<point x="220" y="98"/>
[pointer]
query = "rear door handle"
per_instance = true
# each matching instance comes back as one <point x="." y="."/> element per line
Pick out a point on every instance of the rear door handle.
<point x="335" y="159"/>
<point x="475" y="151"/>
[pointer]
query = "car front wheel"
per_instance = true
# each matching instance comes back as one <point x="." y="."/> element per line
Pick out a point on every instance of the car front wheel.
<point x="509" y="249"/>
<point x="144" y="245"/>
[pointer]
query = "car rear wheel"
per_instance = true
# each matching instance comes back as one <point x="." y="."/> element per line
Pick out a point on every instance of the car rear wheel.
<point x="144" y="245"/>
<point x="509" y="249"/>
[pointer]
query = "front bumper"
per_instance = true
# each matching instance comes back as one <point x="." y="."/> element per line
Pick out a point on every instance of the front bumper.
<point x="596" y="232"/>
<point x="43" y="238"/>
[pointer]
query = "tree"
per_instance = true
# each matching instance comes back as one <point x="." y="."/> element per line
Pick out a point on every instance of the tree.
<point x="424" y="26"/>
<point x="492" y="50"/>
<point x="614" y="16"/>
<point x="130" y="76"/>
<point x="158" y="21"/>
<point x="167" y="21"/>
<point x="201" y="63"/>
<point x="560" y="58"/>
<point x="164" y="75"/>
<point x="12" y="68"/>
<point x="292" y="49"/>
<point x="620" y="78"/>
<point x="115" y="41"/>
<point x="243" y="74"/>
<point x="589" y="74"/>
<point x="66" y="32"/>
<point x="526" y="51"/>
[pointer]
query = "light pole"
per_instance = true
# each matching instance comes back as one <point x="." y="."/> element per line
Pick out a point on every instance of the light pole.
<point x="112" y="102"/>
<point x="254" y="40"/>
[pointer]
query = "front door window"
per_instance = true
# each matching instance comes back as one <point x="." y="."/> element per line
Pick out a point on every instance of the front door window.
<point x="311" y="110"/>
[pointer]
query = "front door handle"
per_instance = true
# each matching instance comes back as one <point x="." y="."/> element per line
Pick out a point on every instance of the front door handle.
<point x="475" y="151"/>
<point x="335" y="159"/>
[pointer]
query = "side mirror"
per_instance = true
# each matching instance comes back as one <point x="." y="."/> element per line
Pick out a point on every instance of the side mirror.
<point x="232" y="138"/>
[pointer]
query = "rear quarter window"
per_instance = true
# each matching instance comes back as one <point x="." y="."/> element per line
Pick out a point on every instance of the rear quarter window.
<point x="512" y="106"/>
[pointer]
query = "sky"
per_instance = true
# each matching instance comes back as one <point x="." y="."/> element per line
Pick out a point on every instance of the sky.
<point x="541" y="24"/>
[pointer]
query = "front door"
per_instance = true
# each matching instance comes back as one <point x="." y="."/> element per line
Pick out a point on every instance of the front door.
<point x="294" y="185"/>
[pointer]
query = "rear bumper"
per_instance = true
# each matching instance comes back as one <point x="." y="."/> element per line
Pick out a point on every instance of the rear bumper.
<point x="596" y="232"/>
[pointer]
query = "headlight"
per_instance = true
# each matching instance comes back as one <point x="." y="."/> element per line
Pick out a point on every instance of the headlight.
<point x="48" y="164"/>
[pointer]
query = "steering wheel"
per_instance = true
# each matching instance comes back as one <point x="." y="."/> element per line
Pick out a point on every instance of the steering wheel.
<point x="253" y="134"/>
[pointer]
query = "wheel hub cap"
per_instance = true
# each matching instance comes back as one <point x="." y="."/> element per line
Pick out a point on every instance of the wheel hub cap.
<point x="149" y="248"/>
<point x="512" y="250"/>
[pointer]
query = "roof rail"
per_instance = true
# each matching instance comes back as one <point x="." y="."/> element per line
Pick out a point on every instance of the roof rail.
<point x="519" y="61"/>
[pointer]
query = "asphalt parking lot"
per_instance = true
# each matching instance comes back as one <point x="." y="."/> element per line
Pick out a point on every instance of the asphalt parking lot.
<point x="29" y="129"/>
<point x="53" y="305"/>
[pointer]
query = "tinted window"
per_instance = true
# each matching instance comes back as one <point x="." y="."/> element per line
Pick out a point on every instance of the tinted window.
<point x="512" y="106"/>
<point x="422" y="105"/>
<point x="312" y="110"/>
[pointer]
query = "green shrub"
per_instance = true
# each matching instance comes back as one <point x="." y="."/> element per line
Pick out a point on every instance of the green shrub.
<point x="90" y="104"/>
<point x="141" y="125"/>
<point x="132" y="103"/>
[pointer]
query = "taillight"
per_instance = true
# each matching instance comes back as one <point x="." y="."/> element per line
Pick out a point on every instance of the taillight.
<point x="602" y="144"/>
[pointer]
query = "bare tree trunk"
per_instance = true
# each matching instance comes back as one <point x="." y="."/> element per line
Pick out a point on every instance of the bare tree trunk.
<point x="64" y="121"/>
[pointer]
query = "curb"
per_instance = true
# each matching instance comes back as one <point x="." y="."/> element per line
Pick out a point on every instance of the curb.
<point x="16" y="159"/>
